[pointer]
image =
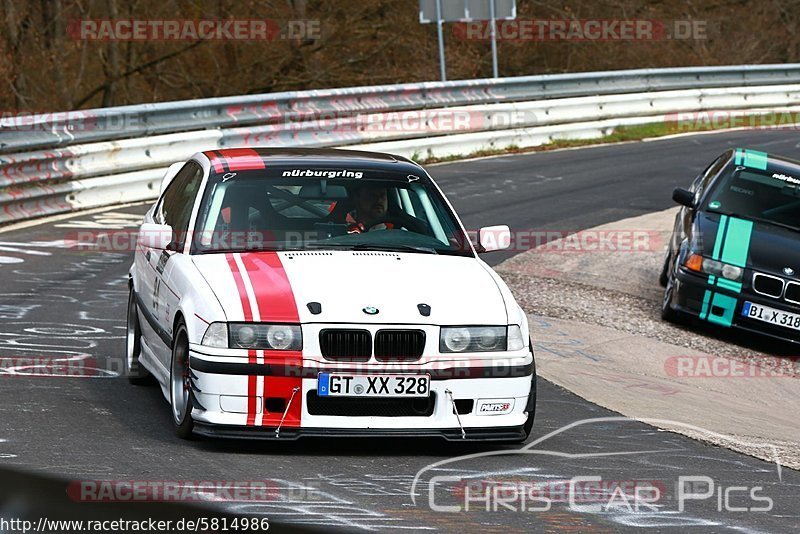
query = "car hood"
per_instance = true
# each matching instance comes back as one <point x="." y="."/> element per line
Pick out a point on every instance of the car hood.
<point x="767" y="248"/>
<point x="459" y="290"/>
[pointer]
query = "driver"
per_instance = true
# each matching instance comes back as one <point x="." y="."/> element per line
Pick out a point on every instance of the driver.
<point x="371" y="205"/>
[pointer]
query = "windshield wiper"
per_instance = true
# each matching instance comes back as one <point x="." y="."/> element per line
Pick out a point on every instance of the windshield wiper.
<point x="394" y="248"/>
<point x="240" y="250"/>
<point x="757" y="219"/>
<point x="373" y="246"/>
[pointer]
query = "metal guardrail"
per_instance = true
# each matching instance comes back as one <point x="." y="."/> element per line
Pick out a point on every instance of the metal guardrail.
<point x="56" y="163"/>
<point x="49" y="131"/>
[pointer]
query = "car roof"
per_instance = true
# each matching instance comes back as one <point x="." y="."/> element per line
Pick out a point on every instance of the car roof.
<point x="330" y="158"/>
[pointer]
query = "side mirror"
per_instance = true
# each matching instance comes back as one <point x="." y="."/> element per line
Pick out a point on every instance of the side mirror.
<point x="157" y="236"/>
<point x="684" y="197"/>
<point x="491" y="238"/>
<point x="170" y="174"/>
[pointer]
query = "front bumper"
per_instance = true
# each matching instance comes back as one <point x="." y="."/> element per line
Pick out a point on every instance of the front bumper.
<point x="236" y="398"/>
<point x="691" y="292"/>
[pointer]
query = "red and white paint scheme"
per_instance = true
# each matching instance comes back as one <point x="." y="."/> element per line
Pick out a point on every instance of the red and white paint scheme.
<point x="280" y="293"/>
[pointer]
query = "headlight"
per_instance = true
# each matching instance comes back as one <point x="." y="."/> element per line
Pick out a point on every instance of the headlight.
<point x="244" y="336"/>
<point x="454" y="339"/>
<point x="265" y="336"/>
<point x="732" y="272"/>
<point x="282" y="337"/>
<point x="473" y="339"/>
<point x="216" y="335"/>
<point x="697" y="263"/>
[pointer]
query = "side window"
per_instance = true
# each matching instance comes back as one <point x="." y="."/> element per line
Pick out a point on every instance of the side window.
<point x="714" y="170"/>
<point x="701" y="183"/>
<point x="175" y="207"/>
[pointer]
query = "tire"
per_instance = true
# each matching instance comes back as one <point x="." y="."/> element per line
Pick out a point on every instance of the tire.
<point x="531" y="407"/>
<point x="528" y="426"/>
<point x="180" y="397"/>
<point x="667" y="313"/>
<point x="134" y="370"/>
<point x="664" y="276"/>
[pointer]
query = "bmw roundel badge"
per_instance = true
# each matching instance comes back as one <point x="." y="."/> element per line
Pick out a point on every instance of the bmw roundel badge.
<point x="788" y="271"/>
<point x="370" y="310"/>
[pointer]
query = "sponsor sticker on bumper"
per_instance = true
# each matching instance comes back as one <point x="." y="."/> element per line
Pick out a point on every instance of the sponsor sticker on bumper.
<point x="350" y="385"/>
<point x="495" y="406"/>
<point x="771" y="315"/>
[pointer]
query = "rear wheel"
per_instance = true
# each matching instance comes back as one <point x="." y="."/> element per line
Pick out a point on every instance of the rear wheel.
<point x="134" y="369"/>
<point x="180" y="384"/>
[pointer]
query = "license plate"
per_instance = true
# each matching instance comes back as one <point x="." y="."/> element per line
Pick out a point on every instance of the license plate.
<point x="771" y="315"/>
<point x="346" y="385"/>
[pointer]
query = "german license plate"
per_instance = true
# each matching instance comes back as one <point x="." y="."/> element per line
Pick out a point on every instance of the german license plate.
<point x="771" y="315"/>
<point x="347" y="385"/>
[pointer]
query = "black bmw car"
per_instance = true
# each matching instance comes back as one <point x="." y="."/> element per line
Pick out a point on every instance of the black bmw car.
<point x="734" y="256"/>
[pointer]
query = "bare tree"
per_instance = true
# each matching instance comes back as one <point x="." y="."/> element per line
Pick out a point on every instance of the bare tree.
<point x="43" y="66"/>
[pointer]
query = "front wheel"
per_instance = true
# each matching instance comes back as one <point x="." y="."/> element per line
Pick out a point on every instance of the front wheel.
<point x="528" y="426"/>
<point x="134" y="369"/>
<point x="667" y="313"/>
<point x="530" y="407"/>
<point x="663" y="278"/>
<point x="180" y="384"/>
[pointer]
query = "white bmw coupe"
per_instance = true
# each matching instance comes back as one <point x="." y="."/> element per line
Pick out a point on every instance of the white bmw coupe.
<point x="286" y="293"/>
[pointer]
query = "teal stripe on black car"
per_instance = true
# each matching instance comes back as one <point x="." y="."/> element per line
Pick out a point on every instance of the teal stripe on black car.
<point x="731" y="246"/>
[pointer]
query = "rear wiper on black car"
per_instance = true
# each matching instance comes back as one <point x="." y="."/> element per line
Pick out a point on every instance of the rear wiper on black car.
<point x="756" y="219"/>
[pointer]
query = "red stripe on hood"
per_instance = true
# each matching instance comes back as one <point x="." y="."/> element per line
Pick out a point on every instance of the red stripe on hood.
<point x="271" y="286"/>
<point x="237" y="277"/>
<point x="251" y="354"/>
<point x="276" y="304"/>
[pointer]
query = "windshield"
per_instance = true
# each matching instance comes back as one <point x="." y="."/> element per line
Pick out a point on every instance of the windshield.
<point x="351" y="210"/>
<point x="766" y="196"/>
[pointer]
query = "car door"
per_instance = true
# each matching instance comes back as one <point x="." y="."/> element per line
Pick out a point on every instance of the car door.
<point x="145" y="284"/>
<point x="174" y="209"/>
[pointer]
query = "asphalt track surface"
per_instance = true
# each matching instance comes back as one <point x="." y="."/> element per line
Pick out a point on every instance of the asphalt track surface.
<point x="60" y="303"/>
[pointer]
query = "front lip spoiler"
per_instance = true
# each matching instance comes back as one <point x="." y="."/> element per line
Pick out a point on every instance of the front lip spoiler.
<point x="293" y="434"/>
<point x="295" y="371"/>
